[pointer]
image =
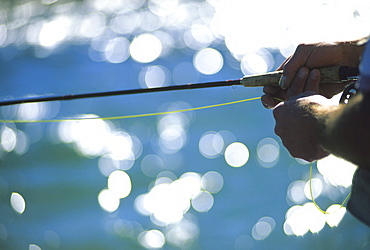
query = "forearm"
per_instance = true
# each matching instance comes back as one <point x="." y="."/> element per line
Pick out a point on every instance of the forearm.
<point x="346" y="131"/>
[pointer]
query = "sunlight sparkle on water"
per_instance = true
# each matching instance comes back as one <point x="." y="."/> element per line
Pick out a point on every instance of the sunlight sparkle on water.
<point x="296" y="191"/>
<point x="236" y="154"/>
<point x="317" y="187"/>
<point x="108" y="200"/>
<point x="18" y="203"/>
<point x="301" y="219"/>
<point x="34" y="247"/>
<point x="202" y="202"/>
<point x="257" y="62"/>
<point x="212" y="181"/>
<point x="8" y="138"/>
<point x="211" y="144"/>
<point x="268" y="151"/>
<point x="337" y="171"/>
<point x="182" y="233"/>
<point x="96" y="137"/>
<point x="55" y="31"/>
<point x="33" y="111"/>
<point x="208" y="61"/>
<point x="172" y="132"/>
<point x="335" y="214"/>
<point x="145" y="48"/>
<point x="263" y="228"/>
<point x="92" y="25"/>
<point x="154" y="77"/>
<point x="152" y="239"/>
<point x="169" y="200"/>
<point x="163" y="7"/>
<point x="202" y="34"/>
<point x="117" y="50"/>
<point x="119" y="182"/>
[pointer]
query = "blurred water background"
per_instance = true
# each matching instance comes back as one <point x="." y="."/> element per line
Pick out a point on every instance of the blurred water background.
<point x="215" y="178"/>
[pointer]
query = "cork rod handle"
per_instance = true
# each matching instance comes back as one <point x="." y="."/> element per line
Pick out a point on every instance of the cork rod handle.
<point x="333" y="74"/>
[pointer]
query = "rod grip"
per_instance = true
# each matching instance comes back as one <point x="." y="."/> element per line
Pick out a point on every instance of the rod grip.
<point x="333" y="74"/>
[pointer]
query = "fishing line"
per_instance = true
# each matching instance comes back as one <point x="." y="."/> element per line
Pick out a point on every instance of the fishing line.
<point x="173" y="112"/>
<point x="313" y="199"/>
<point x="132" y="116"/>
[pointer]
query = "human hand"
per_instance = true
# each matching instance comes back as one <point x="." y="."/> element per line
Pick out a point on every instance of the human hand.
<point x="298" y="69"/>
<point x="299" y="122"/>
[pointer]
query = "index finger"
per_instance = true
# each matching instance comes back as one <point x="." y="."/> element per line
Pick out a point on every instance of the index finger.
<point x="297" y="61"/>
<point x="313" y="81"/>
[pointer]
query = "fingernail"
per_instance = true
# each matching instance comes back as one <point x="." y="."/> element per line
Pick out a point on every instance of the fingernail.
<point x="302" y="73"/>
<point x="267" y="106"/>
<point x="282" y="82"/>
<point x="314" y="74"/>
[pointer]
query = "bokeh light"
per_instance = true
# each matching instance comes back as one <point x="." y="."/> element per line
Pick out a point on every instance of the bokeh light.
<point x="208" y="61"/>
<point x="336" y="171"/>
<point x="263" y="228"/>
<point x="322" y="184"/>
<point x="145" y="48"/>
<point x="296" y="192"/>
<point x="34" y="247"/>
<point x="205" y="38"/>
<point x="119" y="183"/>
<point x="169" y="200"/>
<point x="152" y="239"/>
<point x="8" y="138"/>
<point x="18" y="203"/>
<point x="152" y="165"/>
<point x="52" y="238"/>
<point x="301" y="219"/>
<point x="163" y="7"/>
<point x="211" y="144"/>
<point x="236" y="154"/>
<point x="202" y="202"/>
<point x="335" y="214"/>
<point x="117" y="50"/>
<point x="154" y="77"/>
<point x="108" y="200"/>
<point x="33" y="111"/>
<point x="257" y="63"/>
<point x="182" y="233"/>
<point x="212" y="181"/>
<point x="313" y="188"/>
<point x="54" y="32"/>
<point x="268" y="151"/>
<point x="172" y="130"/>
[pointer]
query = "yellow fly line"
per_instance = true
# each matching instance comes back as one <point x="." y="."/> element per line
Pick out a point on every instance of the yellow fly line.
<point x="166" y="113"/>
<point x="313" y="198"/>
<point x="131" y="116"/>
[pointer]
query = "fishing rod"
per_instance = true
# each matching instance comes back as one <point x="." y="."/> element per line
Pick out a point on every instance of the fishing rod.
<point x="334" y="74"/>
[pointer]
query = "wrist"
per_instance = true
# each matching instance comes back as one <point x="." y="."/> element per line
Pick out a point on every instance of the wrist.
<point x="324" y="115"/>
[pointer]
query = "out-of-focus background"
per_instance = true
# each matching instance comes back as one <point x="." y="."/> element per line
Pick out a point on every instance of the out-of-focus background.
<point x="215" y="178"/>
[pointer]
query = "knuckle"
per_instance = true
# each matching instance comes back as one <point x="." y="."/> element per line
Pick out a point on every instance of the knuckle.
<point x="301" y="45"/>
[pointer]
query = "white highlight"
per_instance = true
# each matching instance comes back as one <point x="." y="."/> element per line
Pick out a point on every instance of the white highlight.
<point x="236" y="154"/>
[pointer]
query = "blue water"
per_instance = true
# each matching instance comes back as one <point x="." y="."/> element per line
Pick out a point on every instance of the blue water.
<point x="60" y="186"/>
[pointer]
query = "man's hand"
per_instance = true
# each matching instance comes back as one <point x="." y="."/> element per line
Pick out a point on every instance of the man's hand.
<point x="299" y="122"/>
<point x="299" y="69"/>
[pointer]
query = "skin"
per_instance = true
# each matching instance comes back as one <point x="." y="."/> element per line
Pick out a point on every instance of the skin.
<point x="308" y="125"/>
<point x="297" y="69"/>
